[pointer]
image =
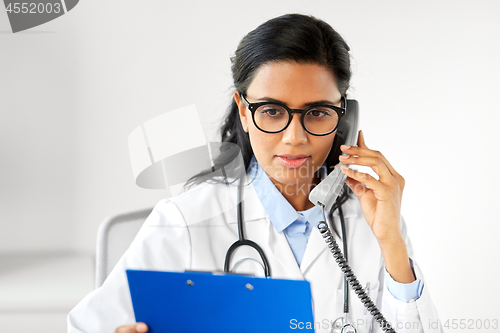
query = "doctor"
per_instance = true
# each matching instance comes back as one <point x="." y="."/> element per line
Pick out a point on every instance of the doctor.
<point x="295" y="61"/>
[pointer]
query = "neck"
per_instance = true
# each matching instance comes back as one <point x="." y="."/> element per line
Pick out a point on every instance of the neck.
<point x="297" y="194"/>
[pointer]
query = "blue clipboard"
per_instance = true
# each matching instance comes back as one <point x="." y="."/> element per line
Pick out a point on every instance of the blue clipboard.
<point x="205" y="302"/>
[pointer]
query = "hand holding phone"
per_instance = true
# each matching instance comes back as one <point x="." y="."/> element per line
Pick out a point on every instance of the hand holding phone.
<point x="381" y="202"/>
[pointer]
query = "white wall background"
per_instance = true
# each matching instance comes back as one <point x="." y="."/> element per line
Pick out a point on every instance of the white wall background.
<point x="426" y="75"/>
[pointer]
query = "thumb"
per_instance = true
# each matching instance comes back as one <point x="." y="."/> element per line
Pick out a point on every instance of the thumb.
<point x="141" y="327"/>
<point x="361" y="139"/>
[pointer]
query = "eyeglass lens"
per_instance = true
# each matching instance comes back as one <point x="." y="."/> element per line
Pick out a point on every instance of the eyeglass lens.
<point x="274" y="118"/>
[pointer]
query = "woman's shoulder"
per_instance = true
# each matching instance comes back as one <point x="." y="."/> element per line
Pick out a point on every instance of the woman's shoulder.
<point x="206" y="200"/>
<point x="206" y="192"/>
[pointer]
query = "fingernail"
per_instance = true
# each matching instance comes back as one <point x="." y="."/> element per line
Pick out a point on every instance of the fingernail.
<point x="344" y="157"/>
<point x="345" y="147"/>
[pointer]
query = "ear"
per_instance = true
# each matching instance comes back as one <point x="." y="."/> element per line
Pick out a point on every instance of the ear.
<point x="242" y="110"/>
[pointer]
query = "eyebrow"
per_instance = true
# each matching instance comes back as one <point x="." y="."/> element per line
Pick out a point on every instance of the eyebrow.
<point x="269" y="99"/>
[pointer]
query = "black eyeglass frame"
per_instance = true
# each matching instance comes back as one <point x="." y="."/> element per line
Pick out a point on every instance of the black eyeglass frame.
<point x="254" y="106"/>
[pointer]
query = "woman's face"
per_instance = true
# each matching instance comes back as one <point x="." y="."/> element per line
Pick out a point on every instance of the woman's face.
<point x="296" y="85"/>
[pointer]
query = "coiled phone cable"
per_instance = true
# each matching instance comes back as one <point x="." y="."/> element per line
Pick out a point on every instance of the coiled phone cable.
<point x="351" y="278"/>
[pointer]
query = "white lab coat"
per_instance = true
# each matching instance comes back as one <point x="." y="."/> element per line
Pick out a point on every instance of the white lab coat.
<point x="194" y="230"/>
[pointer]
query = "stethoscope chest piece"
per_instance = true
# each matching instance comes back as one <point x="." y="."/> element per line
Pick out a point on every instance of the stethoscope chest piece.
<point x="340" y="326"/>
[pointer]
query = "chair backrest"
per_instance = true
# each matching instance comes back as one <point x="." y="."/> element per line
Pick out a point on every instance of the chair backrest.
<point x="113" y="238"/>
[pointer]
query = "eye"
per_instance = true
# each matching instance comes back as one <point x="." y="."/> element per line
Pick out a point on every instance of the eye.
<point x="319" y="112"/>
<point x="272" y="110"/>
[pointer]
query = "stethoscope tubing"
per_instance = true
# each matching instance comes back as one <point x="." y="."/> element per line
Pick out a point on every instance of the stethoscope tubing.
<point x="344" y="246"/>
<point x="242" y="241"/>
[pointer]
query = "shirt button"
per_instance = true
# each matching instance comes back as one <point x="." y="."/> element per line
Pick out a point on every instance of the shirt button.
<point x="411" y="301"/>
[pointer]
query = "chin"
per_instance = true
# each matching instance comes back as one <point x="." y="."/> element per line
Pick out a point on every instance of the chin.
<point x="292" y="181"/>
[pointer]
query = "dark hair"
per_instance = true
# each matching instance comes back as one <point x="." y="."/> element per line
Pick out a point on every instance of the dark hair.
<point x="291" y="37"/>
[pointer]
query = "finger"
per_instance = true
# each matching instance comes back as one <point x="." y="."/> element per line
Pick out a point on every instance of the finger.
<point x="375" y="163"/>
<point x="364" y="148"/>
<point x="358" y="188"/>
<point x="364" y="151"/>
<point x="141" y="327"/>
<point x="136" y="328"/>
<point x="363" y="178"/>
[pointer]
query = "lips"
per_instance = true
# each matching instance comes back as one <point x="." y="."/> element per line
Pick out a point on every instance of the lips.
<point x="292" y="161"/>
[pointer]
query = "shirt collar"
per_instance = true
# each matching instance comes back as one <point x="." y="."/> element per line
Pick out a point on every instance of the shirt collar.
<point x="280" y="211"/>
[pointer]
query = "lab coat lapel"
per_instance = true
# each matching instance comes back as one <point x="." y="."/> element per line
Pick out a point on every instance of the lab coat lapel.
<point x="286" y="265"/>
<point x="279" y="254"/>
<point x="315" y="247"/>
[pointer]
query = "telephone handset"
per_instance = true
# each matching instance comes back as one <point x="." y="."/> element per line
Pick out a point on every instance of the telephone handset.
<point x="326" y="192"/>
<point x="324" y="196"/>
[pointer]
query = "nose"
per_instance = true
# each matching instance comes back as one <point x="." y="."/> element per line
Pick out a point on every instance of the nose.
<point x="295" y="134"/>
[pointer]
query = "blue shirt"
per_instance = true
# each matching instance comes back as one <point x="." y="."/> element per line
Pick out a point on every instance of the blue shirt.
<point x="297" y="226"/>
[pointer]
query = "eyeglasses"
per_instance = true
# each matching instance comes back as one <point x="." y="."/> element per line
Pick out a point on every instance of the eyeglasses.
<point x="316" y="119"/>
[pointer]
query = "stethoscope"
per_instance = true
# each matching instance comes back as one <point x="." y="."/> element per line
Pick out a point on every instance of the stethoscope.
<point x="339" y="325"/>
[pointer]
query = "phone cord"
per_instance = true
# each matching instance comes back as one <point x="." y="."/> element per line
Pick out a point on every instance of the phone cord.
<point x="352" y="279"/>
